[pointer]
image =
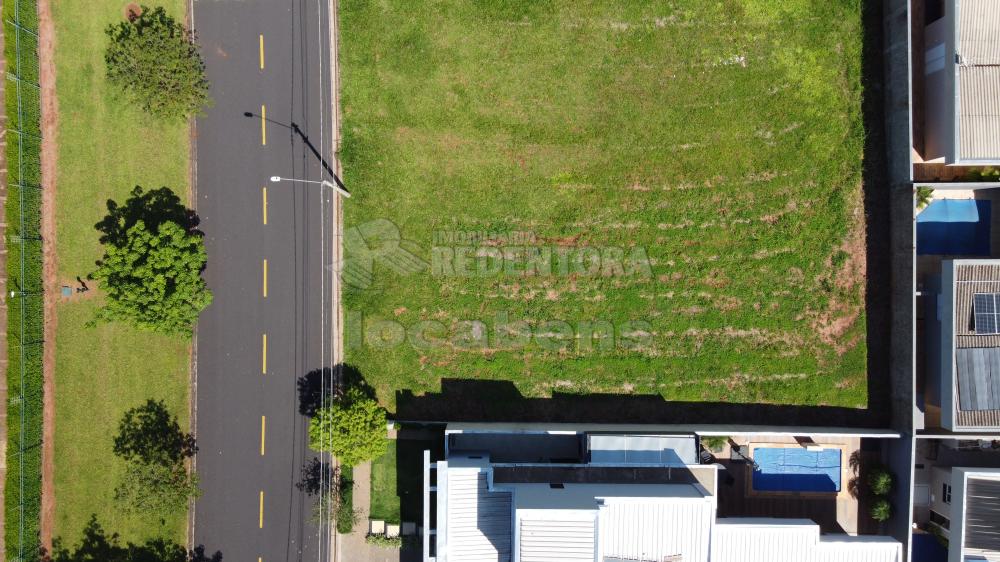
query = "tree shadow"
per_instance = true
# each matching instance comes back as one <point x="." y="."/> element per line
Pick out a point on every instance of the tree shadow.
<point x="97" y="544"/>
<point x="150" y="433"/>
<point x="351" y="377"/>
<point x="316" y="476"/>
<point x="319" y="386"/>
<point x="315" y="389"/>
<point x="153" y="208"/>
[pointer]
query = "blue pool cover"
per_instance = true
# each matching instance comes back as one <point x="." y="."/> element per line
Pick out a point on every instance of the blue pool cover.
<point x="954" y="227"/>
<point x="794" y="469"/>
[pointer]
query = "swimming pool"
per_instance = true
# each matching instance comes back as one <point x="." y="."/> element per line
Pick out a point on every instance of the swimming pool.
<point x="795" y="469"/>
<point x="954" y="227"/>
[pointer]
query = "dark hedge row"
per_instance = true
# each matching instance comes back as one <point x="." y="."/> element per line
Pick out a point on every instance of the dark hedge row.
<point x="22" y="501"/>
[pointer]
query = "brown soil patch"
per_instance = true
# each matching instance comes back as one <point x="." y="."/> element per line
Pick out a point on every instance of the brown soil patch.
<point x="50" y="119"/>
<point x="132" y="11"/>
<point x="566" y="240"/>
<point x="853" y="272"/>
<point x="831" y="324"/>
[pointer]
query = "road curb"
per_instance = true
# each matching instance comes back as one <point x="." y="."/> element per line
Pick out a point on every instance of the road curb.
<point x="337" y="315"/>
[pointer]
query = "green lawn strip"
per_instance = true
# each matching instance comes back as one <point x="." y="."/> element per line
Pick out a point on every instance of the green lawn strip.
<point x="105" y="149"/>
<point x="384" y="493"/>
<point x="100" y="377"/>
<point x="723" y="139"/>
<point x="345" y="509"/>
<point x="25" y="330"/>
<point x="397" y="479"/>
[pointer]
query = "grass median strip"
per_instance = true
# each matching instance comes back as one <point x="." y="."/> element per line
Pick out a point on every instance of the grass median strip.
<point x="106" y="148"/>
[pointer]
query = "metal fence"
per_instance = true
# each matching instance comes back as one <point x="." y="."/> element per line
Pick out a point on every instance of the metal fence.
<point x="25" y="309"/>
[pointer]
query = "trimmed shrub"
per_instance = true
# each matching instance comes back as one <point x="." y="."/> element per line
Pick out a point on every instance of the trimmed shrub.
<point x="346" y="517"/>
<point x="383" y="541"/>
<point x="881" y="510"/>
<point x="880" y="481"/>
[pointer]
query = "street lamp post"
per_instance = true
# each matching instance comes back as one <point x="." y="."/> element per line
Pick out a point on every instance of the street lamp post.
<point x="325" y="183"/>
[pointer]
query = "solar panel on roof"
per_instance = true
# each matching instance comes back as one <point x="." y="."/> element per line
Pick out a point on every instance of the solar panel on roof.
<point x="986" y="312"/>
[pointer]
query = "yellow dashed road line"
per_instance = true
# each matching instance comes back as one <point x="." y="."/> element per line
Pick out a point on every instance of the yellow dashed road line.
<point x="263" y="360"/>
<point x="263" y="125"/>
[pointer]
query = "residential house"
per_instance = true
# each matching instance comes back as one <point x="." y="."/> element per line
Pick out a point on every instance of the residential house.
<point x="539" y="496"/>
<point x="961" y="76"/>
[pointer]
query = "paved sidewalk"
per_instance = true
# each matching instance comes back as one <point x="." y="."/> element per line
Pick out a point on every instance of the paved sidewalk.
<point x="353" y="546"/>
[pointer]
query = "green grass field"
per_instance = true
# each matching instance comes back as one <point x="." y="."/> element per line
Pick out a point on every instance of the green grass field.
<point x="721" y="141"/>
<point x="105" y="148"/>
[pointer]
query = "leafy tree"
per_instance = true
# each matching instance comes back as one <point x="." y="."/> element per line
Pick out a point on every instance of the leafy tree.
<point x="352" y="428"/>
<point x="925" y="194"/>
<point x="97" y="545"/>
<point x="150" y="434"/>
<point x="156" y="489"/>
<point x="156" y="480"/>
<point x="151" y="270"/>
<point x="154" y="60"/>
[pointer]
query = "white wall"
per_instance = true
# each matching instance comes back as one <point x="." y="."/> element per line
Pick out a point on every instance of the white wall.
<point x="946" y="311"/>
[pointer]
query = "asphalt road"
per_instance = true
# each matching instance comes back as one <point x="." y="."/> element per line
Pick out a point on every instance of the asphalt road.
<point x="264" y="330"/>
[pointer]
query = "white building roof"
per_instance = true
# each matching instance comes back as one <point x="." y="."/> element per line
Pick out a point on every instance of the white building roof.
<point x="631" y="521"/>
<point x="562" y="535"/>
<point x="576" y="522"/>
<point x="478" y="520"/>
<point x="656" y="530"/>
<point x="979" y="39"/>
<point x="978" y="49"/>
<point x="794" y="540"/>
<point x="763" y="540"/>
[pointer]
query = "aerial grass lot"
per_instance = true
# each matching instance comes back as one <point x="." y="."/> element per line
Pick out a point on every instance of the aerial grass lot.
<point x="711" y="150"/>
<point x="105" y="149"/>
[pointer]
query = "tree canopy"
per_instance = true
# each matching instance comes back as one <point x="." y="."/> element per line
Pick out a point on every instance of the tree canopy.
<point x="352" y="428"/>
<point x="154" y="60"/>
<point x="151" y="270"/>
<point x="156" y="480"/>
<point x="156" y="489"/>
